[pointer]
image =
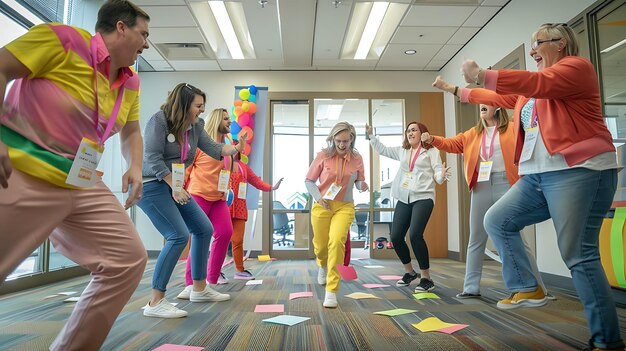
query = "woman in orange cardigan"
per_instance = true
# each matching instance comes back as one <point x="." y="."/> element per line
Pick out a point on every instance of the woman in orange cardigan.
<point x="487" y="152"/>
<point x="568" y="165"/>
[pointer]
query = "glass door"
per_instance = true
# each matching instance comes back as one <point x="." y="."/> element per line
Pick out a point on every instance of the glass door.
<point x="291" y="156"/>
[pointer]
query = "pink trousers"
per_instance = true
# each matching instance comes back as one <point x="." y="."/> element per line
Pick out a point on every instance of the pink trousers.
<point x="219" y="215"/>
<point x="91" y="228"/>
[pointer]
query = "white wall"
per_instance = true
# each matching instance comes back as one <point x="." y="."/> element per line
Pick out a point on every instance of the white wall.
<point x="219" y="87"/>
<point x="513" y="26"/>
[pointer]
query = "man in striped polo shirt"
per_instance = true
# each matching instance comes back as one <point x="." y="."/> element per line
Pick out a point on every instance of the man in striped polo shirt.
<point x="71" y="92"/>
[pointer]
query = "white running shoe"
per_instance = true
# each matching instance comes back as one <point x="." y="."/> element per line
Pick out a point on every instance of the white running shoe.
<point x="163" y="309"/>
<point x="321" y="276"/>
<point x="184" y="295"/>
<point x="330" y="300"/>
<point x="207" y="295"/>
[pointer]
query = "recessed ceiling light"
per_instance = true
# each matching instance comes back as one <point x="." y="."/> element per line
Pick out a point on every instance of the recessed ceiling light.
<point x="410" y="52"/>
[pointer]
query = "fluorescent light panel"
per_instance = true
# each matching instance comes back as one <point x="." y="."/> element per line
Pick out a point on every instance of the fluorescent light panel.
<point x="226" y="27"/>
<point x="614" y="46"/>
<point x="374" y="20"/>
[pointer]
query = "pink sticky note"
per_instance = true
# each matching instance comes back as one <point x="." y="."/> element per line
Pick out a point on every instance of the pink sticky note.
<point x="172" y="347"/>
<point x="452" y="329"/>
<point x="390" y="277"/>
<point x="375" y="285"/>
<point x="347" y="272"/>
<point x="270" y="308"/>
<point x="300" y="294"/>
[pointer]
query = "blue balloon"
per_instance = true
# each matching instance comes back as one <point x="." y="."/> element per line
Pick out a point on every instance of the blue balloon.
<point x="252" y="98"/>
<point x="252" y="90"/>
<point x="230" y="197"/>
<point x="234" y="128"/>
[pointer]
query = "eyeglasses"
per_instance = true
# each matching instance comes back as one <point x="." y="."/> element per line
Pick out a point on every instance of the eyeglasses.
<point x="346" y="142"/>
<point x="536" y="44"/>
<point x="412" y="130"/>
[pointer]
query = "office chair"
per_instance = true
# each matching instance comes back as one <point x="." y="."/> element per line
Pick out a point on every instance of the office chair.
<point x="361" y="221"/>
<point x="282" y="226"/>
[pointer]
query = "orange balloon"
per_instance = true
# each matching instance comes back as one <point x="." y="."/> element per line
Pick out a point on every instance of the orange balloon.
<point x="250" y="133"/>
<point x="251" y="107"/>
<point x="238" y="102"/>
<point x="238" y="111"/>
<point x="247" y="149"/>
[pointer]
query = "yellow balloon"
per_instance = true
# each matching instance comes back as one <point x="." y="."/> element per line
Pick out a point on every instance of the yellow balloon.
<point x="245" y="106"/>
<point x="244" y="158"/>
<point x="244" y="94"/>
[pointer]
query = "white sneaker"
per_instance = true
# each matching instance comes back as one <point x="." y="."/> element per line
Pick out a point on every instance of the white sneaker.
<point x="321" y="276"/>
<point x="330" y="300"/>
<point x="184" y="295"/>
<point x="163" y="309"/>
<point x="207" y="295"/>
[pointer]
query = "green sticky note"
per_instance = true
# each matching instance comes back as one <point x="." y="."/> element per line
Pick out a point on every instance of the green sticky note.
<point x="425" y="295"/>
<point x="396" y="312"/>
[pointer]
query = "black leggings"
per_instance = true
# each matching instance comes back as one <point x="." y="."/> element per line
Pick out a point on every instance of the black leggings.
<point x="412" y="217"/>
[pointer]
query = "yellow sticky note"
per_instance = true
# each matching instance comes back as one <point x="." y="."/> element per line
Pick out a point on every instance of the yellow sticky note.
<point x="264" y="258"/>
<point x="396" y="312"/>
<point x="426" y="295"/>
<point x="431" y="324"/>
<point x="360" y="295"/>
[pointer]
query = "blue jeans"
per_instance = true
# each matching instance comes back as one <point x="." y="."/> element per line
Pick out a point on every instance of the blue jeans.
<point x="175" y="221"/>
<point x="577" y="200"/>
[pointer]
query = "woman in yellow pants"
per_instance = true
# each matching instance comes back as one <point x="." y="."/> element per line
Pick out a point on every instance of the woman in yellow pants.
<point x="337" y="167"/>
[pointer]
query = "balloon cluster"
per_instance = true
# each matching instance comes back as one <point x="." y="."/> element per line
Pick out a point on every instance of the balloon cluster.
<point x="243" y="118"/>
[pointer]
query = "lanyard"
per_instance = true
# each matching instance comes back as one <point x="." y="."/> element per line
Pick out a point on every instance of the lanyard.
<point x="533" y="117"/>
<point x="241" y="170"/>
<point x="483" y="151"/>
<point x="102" y="136"/>
<point x="417" y="153"/>
<point x="184" y="149"/>
<point x="343" y="169"/>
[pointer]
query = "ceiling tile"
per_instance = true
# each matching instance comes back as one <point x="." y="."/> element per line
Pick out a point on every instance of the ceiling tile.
<point x="447" y="52"/>
<point x="297" y="20"/>
<point x="328" y="36"/>
<point x="195" y="65"/>
<point x="463" y="35"/>
<point x="151" y="54"/>
<point x="494" y="2"/>
<point x="394" y="56"/>
<point x="437" y="16"/>
<point x="481" y="16"/>
<point x="160" y="65"/>
<point x="423" y="35"/>
<point x="169" y="16"/>
<point x="264" y="28"/>
<point x="176" y="35"/>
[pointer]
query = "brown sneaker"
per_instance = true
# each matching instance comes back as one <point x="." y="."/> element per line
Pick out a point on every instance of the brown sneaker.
<point x="535" y="298"/>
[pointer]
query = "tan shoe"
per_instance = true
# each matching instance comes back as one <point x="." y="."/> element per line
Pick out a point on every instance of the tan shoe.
<point x="535" y="298"/>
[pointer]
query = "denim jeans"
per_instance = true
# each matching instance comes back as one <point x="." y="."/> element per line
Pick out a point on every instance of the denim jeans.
<point x="577" y="200"/>
<point x="483" y="196"/>
<point x="175" y="221"/>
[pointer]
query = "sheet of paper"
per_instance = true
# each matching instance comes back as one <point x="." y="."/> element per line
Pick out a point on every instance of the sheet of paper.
<point x="435" y="324"/>
<point x="254" y="282"/>
<point x="286" y="319"/>
<point x="347" y="272"/>
<point x="374" y="266"/>
<point x="360" y="295"/>
<point x="390" y="277"/>
<point x="264" y="258"/>
<point x="396" y="312"/>
<point x="298" y="295"/>
<point x="270" y="308"/>
<point x="172" y="347"/>
<point x="371" y="286"/>
<point x="425" y="295"/>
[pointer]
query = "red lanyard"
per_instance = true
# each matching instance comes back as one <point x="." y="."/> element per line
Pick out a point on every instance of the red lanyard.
<point x="533" y="117"/>
<point x="184" y="149"/>
<point x="241" y="170"/>
<point x="102" y="136"/>
<point x="343" y="169"/>
<point x="417" y="153"/>
<point x="483" y="151"/>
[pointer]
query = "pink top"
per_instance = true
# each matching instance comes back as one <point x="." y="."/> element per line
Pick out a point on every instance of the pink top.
<point x="344" y="170"/>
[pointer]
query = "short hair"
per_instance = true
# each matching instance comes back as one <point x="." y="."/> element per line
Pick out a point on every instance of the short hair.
<point x="423" y="129"/>
<point x="118" y="10"/>
<point x="340" y="127"/>
<point x="559" y="31"/>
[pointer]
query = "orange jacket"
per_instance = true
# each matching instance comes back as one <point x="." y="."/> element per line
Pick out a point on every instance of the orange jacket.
<point x="568" y="106"/>
<point x="469" y="142"/>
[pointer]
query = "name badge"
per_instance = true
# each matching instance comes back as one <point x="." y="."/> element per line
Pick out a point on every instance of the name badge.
<point x="529" y="144"/>
<point x="484" y="172"/>
<point x="178" y="177"/>
<point x="408" y="180"/>
<point x="243" y="188"/>
<point x="83" y="171"/>
<point x="332" y="192"/>
<point x="222" y="183"/>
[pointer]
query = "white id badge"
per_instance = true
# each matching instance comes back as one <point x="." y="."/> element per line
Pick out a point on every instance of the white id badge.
<point x="222" y="183"/>
<point x="178" y="177"/>
<point x="484" y="172"/>
<point x="83" y="172"/>
<point x="332" y="192"/>
<point x="407" y="180"/>
<point x="529" y="144"/>
<point x="243" y="188"/>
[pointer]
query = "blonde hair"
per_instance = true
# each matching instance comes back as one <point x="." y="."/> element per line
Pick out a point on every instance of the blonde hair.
<point x="340" y="127"/>
<point x="559" y="31"/>
<point x="502" y="118"/>
<point x="213" y="122"/>
<point x="176" y="108"/>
